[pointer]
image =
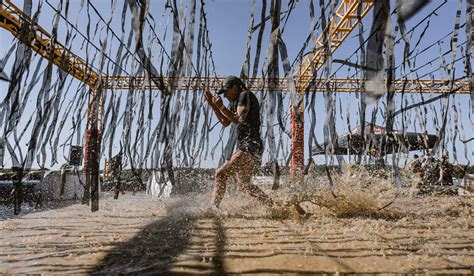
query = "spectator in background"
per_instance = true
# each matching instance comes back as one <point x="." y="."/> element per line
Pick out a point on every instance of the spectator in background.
<point x="430" y="170"/>
<point x="446" y="171"/>
<point x="415" y="165"/>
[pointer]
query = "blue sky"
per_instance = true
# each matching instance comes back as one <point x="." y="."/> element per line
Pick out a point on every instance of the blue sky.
<point x="228" y="23"/>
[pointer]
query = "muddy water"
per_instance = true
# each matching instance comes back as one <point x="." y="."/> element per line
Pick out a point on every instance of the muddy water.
<point x="136" y="234"/>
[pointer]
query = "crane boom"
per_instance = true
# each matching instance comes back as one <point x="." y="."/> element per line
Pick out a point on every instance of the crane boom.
<point x="343" y="22"/>
<point x="13" y="19"/>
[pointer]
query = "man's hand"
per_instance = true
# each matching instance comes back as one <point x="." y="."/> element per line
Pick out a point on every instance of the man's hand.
<point x="217" y="101"/>
<point x="208" y="96"/>
<point x="216" y="104"/>
<point x="213" y="100"/>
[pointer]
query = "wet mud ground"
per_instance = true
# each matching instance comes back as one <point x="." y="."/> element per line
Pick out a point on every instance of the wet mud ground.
<point x="139" y="235"/>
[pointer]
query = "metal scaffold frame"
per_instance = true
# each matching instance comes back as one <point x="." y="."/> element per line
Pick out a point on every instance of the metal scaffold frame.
<point x="340" y="85"/>
<point x="347" y="16"/>
<point x="341" y="25"/>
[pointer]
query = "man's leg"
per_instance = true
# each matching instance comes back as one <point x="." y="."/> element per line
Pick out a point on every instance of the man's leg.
<point x="244" y="177"/>
<point x="221" y="176"/>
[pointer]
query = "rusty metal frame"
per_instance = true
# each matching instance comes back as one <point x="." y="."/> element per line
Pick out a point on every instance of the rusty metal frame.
<point x="13" y="19"/>
<point x="340" y="85"/>
<point x="343" y="22"/>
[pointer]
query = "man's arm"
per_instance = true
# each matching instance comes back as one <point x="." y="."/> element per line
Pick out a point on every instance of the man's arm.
<point x="234" y="118"/>
<point x="441" y="175"/>
<point x="222" y="119"/>
<point x="226" y="113"/>
<point x="441" y="172"/>
<point x="229" y="115"/>
<point x="242" y="108"/>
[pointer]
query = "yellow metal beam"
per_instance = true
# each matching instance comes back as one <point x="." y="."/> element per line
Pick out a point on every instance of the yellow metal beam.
<point x="281" y="84"/>
<point x="13" y="19"/>
<point x="343" y="22"/>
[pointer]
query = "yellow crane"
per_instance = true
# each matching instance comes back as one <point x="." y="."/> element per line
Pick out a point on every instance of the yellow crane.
<point x="347" y="16"/>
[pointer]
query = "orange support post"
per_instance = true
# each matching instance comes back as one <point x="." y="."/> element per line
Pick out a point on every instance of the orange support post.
<point x="92" y="148"/>
<point x="91" y="167"/>
<point x="297" y="145"/>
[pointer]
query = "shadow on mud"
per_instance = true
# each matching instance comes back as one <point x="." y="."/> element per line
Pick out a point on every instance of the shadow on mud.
<point x="156" y="248"/>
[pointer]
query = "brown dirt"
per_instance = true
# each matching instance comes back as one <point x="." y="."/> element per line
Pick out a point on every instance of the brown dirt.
<point x="136" y="234"/>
